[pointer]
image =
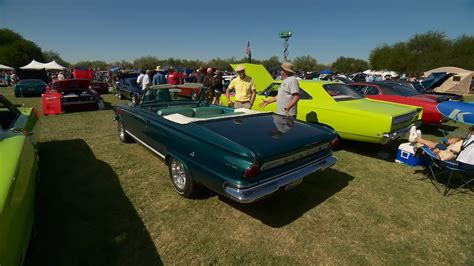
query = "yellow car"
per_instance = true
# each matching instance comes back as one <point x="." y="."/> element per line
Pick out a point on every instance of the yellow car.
<point x="340" y="108"/>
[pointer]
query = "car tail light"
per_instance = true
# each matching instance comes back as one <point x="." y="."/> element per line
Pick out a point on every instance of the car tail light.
<point x="251" y="171"/>
<point x="334" y="143"/>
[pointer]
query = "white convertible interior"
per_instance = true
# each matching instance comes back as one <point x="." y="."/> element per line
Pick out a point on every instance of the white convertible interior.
<point x="202" y="114"/>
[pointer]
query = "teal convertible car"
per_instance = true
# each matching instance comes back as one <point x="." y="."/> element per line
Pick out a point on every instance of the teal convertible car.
<point x="18" y="173"/>
<point x="242" y="154"/>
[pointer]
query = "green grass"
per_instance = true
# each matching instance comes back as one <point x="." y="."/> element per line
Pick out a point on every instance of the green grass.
<point x="101" y="202"/>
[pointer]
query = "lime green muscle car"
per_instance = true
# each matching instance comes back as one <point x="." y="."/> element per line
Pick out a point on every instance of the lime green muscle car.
<point x="340" y="108"/>
<point x="18" y="173"/>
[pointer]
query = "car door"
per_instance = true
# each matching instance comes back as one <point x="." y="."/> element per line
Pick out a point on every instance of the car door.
<point x="134" y="121"/>
<point x="156" y="132"/>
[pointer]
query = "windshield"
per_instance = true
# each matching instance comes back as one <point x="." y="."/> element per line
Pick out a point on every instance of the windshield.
<point x="404" y="91"/>
<point x="272" y="91"/>
<point x="173" y="95"/>
<point x="341" y="92"/>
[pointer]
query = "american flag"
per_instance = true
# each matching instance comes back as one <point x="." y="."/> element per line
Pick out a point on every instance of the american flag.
<point x="248" y="52"/>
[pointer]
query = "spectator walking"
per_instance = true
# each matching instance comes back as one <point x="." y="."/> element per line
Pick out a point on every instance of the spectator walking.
<point x="146" y="82"/>
<point x="200" y="75"/>
<point x="244" y="90"/>
<point x="159" y="77"/>
<point x="174" y="78"/>
<point x="288" y="93"/>
<point x="60" y="75"/>
<point x="140" y="77"/>
<point x="217" y="86"/>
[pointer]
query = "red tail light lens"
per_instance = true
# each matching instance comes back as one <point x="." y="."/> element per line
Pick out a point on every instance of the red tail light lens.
<point x="251" y="171"/>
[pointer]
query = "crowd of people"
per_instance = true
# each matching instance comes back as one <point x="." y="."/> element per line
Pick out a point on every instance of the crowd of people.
<point x="9" y="78"/>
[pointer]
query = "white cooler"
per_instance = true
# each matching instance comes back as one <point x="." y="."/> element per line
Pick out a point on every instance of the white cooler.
<point x="406" y="155"/>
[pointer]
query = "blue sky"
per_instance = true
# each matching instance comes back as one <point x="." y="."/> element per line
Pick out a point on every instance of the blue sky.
<point x="113" y="30"/>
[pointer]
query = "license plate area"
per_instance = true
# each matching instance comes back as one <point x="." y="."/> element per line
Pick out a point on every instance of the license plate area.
<point x="294" y="184"/>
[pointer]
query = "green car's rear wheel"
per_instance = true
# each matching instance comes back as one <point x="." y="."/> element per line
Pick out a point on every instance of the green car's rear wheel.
<point x="181" y="179"/>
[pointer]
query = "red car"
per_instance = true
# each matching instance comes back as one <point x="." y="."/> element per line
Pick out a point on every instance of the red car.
<point x="403" y="95"/>
<point x="76" y="95"/>
<point x="99" y="86"/>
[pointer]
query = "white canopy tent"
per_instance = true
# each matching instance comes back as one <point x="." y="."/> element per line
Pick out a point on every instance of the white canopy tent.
<point x="34" y="65"/>
<point x="4" y="67"/>
<point x="53" y="66"/>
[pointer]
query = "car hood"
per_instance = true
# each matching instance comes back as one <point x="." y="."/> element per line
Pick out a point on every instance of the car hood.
<point x="71" y="84"/>
<point x="10" y="150"/>
<point x="434" y="80"/>
<point x="259" y="74"/>
<point x="269" y="135"/>
<point x="375" y="106"/>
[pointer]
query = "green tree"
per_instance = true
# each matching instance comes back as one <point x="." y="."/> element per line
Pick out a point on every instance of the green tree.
<point x="462" y="53"/>
<point x="148" y="62"/>
<point x="430" y="50"/>
<point x="271" y="63"/>
<point x="15" y="51"/>
<point x="96" y="64"/>
<point x="123" y="64"/>
<point x="51" y="55"/>
<point x="305" y="63"/>
<point x="349" y="65"/>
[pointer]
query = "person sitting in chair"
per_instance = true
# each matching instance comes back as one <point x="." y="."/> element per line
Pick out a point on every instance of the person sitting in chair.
<point x="459" y="149"/>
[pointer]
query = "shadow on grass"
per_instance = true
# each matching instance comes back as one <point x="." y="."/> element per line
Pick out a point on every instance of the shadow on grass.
<point x="387" y="152"/>
<point x="435" y="129"/>
<point x="285" y="207"/>
<point x="442" y="181"/>
<point x="83" y="217"/>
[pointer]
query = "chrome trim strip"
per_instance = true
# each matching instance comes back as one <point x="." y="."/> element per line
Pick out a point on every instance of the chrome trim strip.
<point x="251" y="194"/>
<point x="146" y="145"/>
<point x="294" y="157"/>
<point x="404" y="118"/>
<point x="387" y="137"/>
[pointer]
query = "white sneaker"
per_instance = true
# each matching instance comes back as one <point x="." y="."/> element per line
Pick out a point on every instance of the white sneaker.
<point x="413" y="135"/>
<point x="418" y="133"/>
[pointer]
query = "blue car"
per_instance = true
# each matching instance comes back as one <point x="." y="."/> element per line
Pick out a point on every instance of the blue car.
<point x="128" y="88"/>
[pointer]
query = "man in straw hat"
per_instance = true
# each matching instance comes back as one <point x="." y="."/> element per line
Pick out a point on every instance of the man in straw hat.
<point x="244" y="90"/>
<point x="159" y="77"/>
<point x="288" y="93"/>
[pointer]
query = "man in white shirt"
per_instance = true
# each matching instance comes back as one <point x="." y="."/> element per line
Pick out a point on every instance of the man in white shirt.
<point x="146" y="82"/>
<point x="140" y="77"/>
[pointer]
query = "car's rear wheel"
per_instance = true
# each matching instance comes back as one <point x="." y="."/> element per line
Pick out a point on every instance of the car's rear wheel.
<point x="182" y="181"/>
<point x="123" y="136"/>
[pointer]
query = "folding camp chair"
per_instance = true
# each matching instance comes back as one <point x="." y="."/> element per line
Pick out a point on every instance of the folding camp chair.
<point x="451" y="168"/>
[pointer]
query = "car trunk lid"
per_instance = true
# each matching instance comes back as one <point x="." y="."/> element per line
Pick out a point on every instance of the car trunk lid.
<point x="274" y="142"/>
<point x="259" y="74"/>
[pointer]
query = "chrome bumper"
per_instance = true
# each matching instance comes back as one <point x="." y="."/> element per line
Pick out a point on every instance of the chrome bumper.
<point x="251" y="194"/>
<point x="387" y="137"/>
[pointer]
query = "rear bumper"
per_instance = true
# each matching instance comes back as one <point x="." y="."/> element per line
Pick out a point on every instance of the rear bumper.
<point x="251" y="194"/>
<point x="399" y="133"/>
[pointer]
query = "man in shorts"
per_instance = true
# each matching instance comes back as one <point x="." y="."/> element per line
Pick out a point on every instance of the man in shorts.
<point x="244" y="87"/>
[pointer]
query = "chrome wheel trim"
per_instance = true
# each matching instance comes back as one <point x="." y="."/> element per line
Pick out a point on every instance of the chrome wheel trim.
<point x="121" y="132"/>
<point x="178" y="174"/>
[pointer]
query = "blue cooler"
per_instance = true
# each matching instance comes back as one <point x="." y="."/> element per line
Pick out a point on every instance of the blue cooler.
<point x="405" y="155"/>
